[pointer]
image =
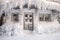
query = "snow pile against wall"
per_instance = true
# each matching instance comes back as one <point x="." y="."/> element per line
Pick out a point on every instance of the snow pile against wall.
<point x="58" y="1"/>
<point x="9" y="29"/>
<point x="48" y="5"/>
<point x="12" y="29"/>
<point x="45" y="27"/>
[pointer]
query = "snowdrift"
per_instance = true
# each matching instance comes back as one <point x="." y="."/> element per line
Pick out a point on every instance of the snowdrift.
<point x="47" y="27"/>
<point x="10" y="29"/>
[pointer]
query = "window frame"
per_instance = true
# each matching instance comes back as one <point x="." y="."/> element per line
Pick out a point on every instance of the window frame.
<point x="14" y="17"/>
<point x="43" y="16"/>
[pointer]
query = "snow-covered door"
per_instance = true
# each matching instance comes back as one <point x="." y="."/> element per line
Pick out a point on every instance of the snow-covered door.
<point x="28" y="21"/>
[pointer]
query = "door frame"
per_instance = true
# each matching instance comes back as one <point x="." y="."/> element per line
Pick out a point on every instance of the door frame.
<point x="32" y="21"/>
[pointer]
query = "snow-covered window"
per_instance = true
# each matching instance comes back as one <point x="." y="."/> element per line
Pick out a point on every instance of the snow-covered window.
<point x="15" y="17"/>
<point x="44" y="17"/>
<point x="47" y="17"/>
<point x="41" y="17"/>
<point x="58" y="18"/>
<point x="30" y="20"/>
<point x="26" y="15"/>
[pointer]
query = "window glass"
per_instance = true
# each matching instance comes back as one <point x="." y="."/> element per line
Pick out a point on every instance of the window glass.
<point x="30" y="20"/>
<point x="26" y="20"/>
<point x="26" y="15"/>
<point x="30" y="15"/>
<point x="41" y="17"/>
<point x="15" y="17"/>
<point x="44" y="17"/>
<point x="48" y="17"/>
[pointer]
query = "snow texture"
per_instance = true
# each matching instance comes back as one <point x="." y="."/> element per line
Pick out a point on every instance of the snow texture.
<point x="9" y="29"/>
<point x="47" y="27"/>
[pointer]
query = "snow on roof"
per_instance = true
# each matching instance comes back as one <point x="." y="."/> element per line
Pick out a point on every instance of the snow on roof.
<point x="44" y="12"/>
<point x="53" y="6"/>
<point x="58" y="1"/>
<point x="27" y="10"/>
<point x="47" y="4"/>
<point x="40" y="3"/>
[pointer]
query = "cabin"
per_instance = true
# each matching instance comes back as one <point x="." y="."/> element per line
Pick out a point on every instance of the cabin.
<point x="29" y="16"/>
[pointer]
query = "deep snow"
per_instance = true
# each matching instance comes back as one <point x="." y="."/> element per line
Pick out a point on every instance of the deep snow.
<point x="47" y="27"/>
<point x="12" y="29"/>
<point x="33" y="36"/>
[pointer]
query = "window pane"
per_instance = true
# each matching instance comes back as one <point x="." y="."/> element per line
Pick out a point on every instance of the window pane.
<point x="41" y="18"/>
<point x="15" y="17"/>
<point x="30" y="20"/>
<point x="30" y="15"/>
<point x="26" y="15"/>
<point x="47" y="17"/>
<point x="26" y="20"/>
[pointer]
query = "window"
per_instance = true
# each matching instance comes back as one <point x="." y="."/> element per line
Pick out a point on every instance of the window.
<point x="41" y="18"/>
<point x="15" y="17"/>
<point x="30" y="20"/>
<point x="30" y="15"/>
<point x="44" y="17"/>
<point x="47" y="17"/>
<point x="26" y="15"/>
<point x="26" y="20"/>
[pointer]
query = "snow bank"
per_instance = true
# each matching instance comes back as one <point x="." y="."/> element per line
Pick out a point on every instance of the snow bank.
<point x="48" y="27"/>
<point x="12" y="29"/>
<point x="9" y="29"/>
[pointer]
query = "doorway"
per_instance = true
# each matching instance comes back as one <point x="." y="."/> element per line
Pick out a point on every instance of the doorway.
<point x="28" y="21"/>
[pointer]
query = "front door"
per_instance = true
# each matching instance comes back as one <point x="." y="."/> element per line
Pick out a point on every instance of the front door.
<point x="28" y="21"/>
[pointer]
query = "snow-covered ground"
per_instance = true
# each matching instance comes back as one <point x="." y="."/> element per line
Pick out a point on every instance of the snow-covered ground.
<point x="47" y="27"/>
<point x="46" y="31"/>
<point x="11" y="29"/>
<point x="33" y="36"/>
